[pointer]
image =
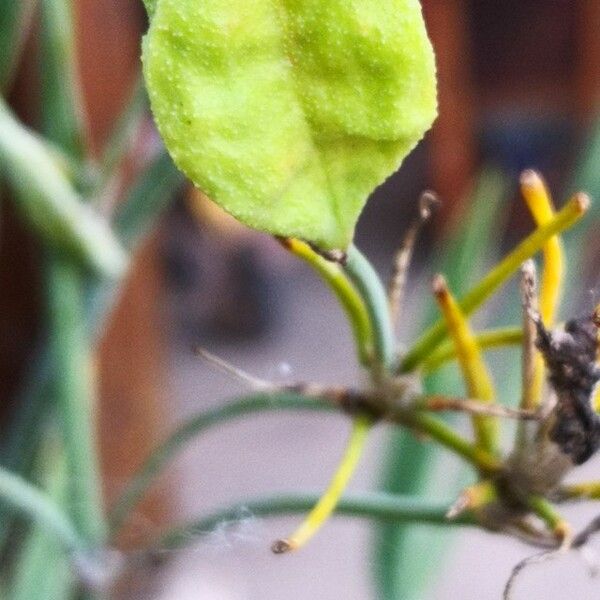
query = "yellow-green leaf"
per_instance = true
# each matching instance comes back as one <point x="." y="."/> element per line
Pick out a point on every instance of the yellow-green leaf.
<point x="288" y="113"/>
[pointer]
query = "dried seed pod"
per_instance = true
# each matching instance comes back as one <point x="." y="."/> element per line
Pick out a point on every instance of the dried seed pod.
<point x="570" y="357"/>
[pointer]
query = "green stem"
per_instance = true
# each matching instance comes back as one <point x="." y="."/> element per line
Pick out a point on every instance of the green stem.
<point x="147" y="198"/>
<point x="49" y="202"/>
<point x="15" y="20"/>
<point x="491" y="338"/>
<point x="411" y="466"/>
<point x="145" y="201"/>
<point x="162" y="455"/>
<point x="369" y="285"/>
<point x="43" y="570"/>
<point x="121" y="137"/>
<point x="39" y="507"/>
<point x="71" y="353"/>
<point x="546" y="512"/>
<point x="445" y="435"/>
<point x="564" y="219"/>
<point x="374" y="505"/>
<point x="62" y="113"/>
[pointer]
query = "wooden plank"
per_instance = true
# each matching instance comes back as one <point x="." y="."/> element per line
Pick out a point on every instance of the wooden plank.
<point x="452" y="143"/>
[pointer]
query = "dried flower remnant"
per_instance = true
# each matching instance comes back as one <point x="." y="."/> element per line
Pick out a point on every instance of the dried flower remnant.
<point x="573" y="373"/>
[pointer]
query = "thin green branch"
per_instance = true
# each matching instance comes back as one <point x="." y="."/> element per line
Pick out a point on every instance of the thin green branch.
<point x="375" y="505"/>
<point x="15" y="19"/>
<point x="43" y="570"/>
<point x="323" y="509"/>
<point x="49" y="202"/>
<point x="70" y="348"/>
<point x="162" y="455"/>
<point x="120" y="139"/>
<point x="62" y="114"/>
<point x="147" y="199"/>
<point x="40" y="508"/>
<point x="444" y="434"/>
<point x="369" y="285"/>
<point x="486" y="340"/>
<point x="564" y="219"/>
<point x="549" y="515"/>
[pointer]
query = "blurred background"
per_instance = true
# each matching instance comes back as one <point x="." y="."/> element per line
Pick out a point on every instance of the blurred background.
<point x="519" y="87"/>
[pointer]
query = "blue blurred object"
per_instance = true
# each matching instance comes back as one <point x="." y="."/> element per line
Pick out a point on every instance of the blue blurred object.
<point x="517" y="140"/>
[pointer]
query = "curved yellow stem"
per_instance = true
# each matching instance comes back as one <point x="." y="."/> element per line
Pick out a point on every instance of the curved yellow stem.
<point x="539" y="202"/>
<point x="477" y="378"/>
<point x="349" y="298"/>
<point x="596" y="319"/>
<point x="434" y="335"/>
<point x="328" y="501"/>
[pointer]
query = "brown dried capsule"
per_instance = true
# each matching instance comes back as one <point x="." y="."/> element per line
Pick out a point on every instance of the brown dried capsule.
<point x="570" y="357"/>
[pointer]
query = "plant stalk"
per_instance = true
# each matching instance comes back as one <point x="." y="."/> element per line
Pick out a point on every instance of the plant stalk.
<point x="70" y="348"/>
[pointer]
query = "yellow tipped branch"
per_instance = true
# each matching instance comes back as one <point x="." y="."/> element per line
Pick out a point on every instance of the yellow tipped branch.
<point x="564" y="219"/>
<point x="538" y="201"/>
<point x="329" y="500"/>
<point x="551" y="517"/>
<point x="477" y="378"/>
<point x="473" y="498"/>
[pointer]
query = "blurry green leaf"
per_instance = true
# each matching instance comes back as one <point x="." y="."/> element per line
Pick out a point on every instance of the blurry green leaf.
<point x="123" y="133"/>
<point x="147" y="198"/>
<point x="14" y="16"/>
<point x="407" y="557"/>
<point x="43" y="570"/>
<point x="49" y="202"/>
<point x="62" y="113"/>
<point x="70" y="348"/>
<point x="288" y="114"/>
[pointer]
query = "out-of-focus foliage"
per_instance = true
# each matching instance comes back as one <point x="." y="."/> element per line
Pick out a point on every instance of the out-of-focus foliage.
<point x="13" y="18"/>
